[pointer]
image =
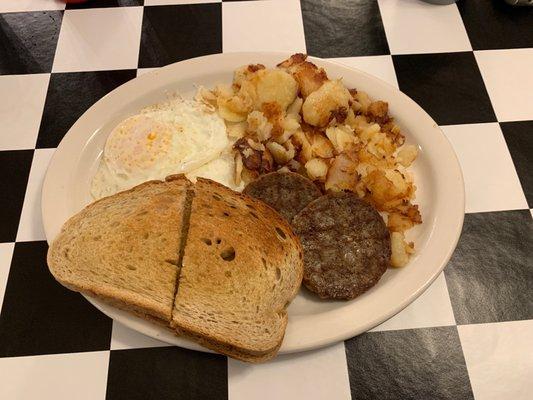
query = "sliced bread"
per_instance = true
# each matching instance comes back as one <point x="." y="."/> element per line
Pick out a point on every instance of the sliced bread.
<point x="125" y="248"/>
<point x="242" y="265"/>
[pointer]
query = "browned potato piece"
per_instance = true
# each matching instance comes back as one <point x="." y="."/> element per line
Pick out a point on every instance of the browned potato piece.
<point x="274" y="85"/>
<point x="301" y="140"/>
<point x="321" y="146"/>
<point x="317" y="169"/>
<point x="320" y="105"/>
<point x="400" y="250"/>
<point x="293" y="60"/>
<point x="378" y="111"/>
<point x="342" y="138"/>
<point x="398" y="222"/>
<point x="282" y="153"/>
<point x="307" y="74"/>
<point x="382" y="190"/>
<point x="342" y="174"/>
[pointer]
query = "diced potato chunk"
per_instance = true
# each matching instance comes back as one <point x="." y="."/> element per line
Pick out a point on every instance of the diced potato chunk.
<point x="407" y="154"/>
<point x="274" y="85"/>
<point x="227" y="113"/>
<point x="400" y="250"/>
<point x="234" y="108"/>
<point x="259" y="125"/>
<point x="236" y="129"/>
<point x="321" y="146"/>
<point x="281" y="154"/>
<point x="398" y="222"/>
<point x="342" y="137"/>
<point x="362" y="102"/>
<point x="306" y="151"/>
<point x="342" y="175"/>
<point x="295" y="107"/>
<point x="318" y="107"/>
<point x="317" y="169"/>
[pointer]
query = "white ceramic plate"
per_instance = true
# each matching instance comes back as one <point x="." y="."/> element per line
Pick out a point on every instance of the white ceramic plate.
<point x="312" y="322"/>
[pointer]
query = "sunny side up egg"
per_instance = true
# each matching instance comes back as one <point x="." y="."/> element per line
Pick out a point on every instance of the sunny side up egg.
<point x="174" y="137"/>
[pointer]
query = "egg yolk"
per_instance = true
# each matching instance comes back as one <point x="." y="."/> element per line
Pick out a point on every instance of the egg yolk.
<point x="136" y="144"/>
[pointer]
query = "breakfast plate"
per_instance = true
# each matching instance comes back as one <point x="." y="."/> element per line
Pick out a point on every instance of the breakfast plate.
<point x="313" y="322"/>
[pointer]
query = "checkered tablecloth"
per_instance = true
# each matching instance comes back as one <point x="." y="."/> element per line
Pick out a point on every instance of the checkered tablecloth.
<point x="470" y="66"/>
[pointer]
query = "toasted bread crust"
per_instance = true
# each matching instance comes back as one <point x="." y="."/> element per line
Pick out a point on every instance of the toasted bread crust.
<point x="255" y="285"/>
<point x="228" y="349"/>
<point x="282" y="253"/>
<point x="76" y="233"/>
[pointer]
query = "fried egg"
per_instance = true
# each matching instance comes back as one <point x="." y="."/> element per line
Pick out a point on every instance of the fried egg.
<point x="174" y="137"/>
<point x="221" y="170"/>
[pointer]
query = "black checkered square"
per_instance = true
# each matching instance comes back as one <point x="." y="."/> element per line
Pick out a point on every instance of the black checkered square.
<point x="494" y="24"/>
<point x="177" y="32"/>
<point x="28" y="41"/>
<point x="343" y="28"/>
<point x="448" y="86"/>
<point x="15" y="166"/>
<point x="70" y="95"/>
<point x="39" y="316"/>
<point x="408" y="364"/>
<point x="489" y="276"/>
<point x="173" y="373"/>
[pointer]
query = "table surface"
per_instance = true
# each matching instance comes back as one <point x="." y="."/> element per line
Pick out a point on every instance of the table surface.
<point x="469" y="65"/>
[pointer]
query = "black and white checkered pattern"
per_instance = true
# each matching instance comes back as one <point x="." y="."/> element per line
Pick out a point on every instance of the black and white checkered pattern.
<point x="470" y="335"/>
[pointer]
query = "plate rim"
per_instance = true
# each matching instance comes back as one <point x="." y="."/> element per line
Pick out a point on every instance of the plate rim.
<point x="130" y="320"/>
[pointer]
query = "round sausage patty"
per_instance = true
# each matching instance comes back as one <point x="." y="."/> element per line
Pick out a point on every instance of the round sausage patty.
<point x="285" y="192"/>
<point x="346" y="245"/>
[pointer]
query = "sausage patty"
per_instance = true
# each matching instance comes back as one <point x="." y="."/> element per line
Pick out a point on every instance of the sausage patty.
<point x="346" y="245"/>
<point x="286" y="192"/>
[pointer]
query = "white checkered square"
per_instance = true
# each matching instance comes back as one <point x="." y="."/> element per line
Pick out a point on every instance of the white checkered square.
<point x="142" y="71"/>
<point x="414" y="26"/>
<point x="313" y="375"/>
<point x="99" y="39"/>
<point x="379" y="66"/>
<point x="508" y="76"/>
<point x="21" y="106"/>
<point x="491" y="182"/>
<point x="175" y="2"/>
<point x="80" y="376"/>
<point x="262" y="26"/>
<point x="498" y="358"/>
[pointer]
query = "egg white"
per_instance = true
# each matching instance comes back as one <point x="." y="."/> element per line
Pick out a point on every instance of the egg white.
<point x="174" y="137"/>
<point x="221" y="170"/>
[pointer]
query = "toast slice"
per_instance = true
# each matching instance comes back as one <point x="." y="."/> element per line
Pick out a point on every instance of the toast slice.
<point x="125" y="248"/>
<point x="242" y="265"/>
